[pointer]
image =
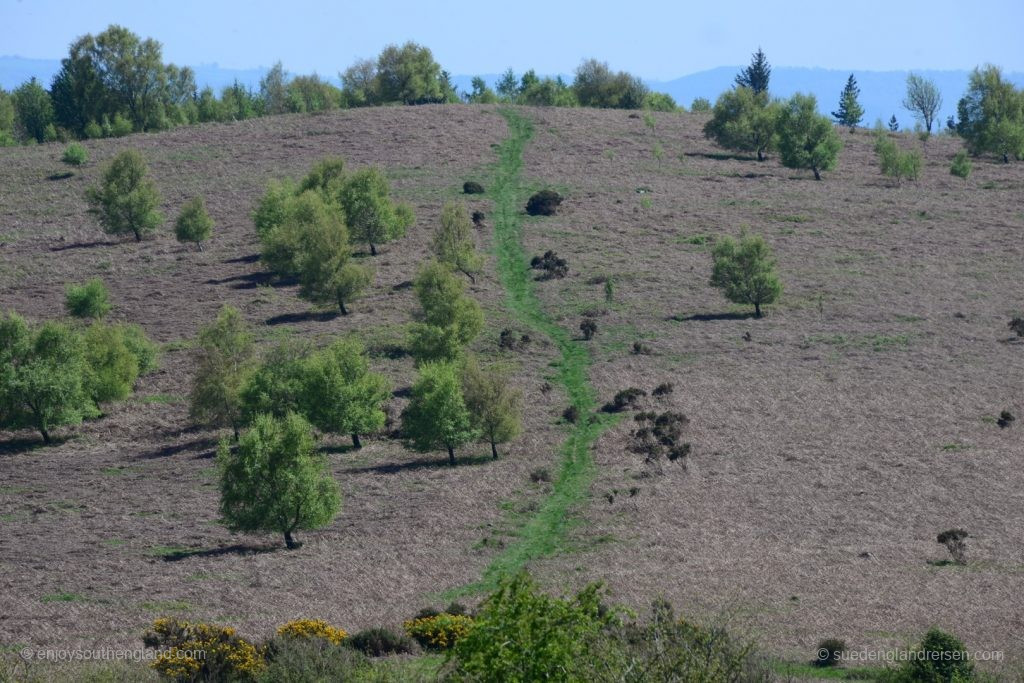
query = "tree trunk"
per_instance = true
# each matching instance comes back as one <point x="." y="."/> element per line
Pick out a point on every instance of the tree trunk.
<point x="290" y="542"/>
<point x="817" y="174"/>
<point x="235" y="427"/>
<point x="1006" y="158"/>
<point x="451" y="456"/>
<point x="494" y="451"/>
<point x="46" y="434"/>
<point x="138" y="237"/>
<point x="341" y="305"/>
<point x="757" y="309"/>
<point x="200" y="245"/>
<point x="760" y="155"/>
<point x="356" y="443"/>
<point x="373" y="249"/>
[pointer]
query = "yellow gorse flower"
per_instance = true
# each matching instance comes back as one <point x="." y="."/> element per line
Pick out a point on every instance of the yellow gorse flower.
<point x="312" y="628"/>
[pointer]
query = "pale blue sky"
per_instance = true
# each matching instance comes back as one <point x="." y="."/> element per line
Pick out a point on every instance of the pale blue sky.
<point x="656" y="40"/>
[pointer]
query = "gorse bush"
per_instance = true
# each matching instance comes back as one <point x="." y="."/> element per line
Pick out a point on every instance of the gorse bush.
<point x="440" y="631"/>
<point x="544" y="203"/>
<point x="88" y="300"/>
<point x="224" y="656"/>
<point x="625" y="400"/>
<point x="308" y="629"/>
<point x="588" y="328"/>
<point x="551" y="265"/>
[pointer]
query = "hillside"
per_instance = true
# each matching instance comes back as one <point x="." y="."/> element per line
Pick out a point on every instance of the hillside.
<point x="832" y="439"/>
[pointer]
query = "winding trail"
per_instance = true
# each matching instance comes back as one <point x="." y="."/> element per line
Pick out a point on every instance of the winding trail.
<point x="544" y="533"/>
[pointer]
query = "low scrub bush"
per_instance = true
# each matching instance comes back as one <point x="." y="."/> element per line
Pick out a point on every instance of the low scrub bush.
<point x="227" y="657"/>
<point x="641" y="349"/>
<point x="544" y="203"/>
<point x="440" y="631"/>
<point x="961" y="166"/>
<point x="588" y="328"/>
<point x="1006" y="418"/>
<point x="298" y="660"/>
<point x="1017" y="325"/>
<point x="552" y="266"/>
<point x="571" y="414"/>
<point x="955" y="541"/>
<point x="75" y="155"/>
<point x="478" y="218"/>
<point x="624" y="400"/>
<point x="830" y="652"/>
<point x="509" y="340"/>
<point x="940" y="657"/>
<point x="312" y="628"/>
<point x="472" y="187"/>
<point x="663" y="389"/>
<point x="380" y="642"/>
<point x="87" y="300"/>
<point x="660" y="436"/>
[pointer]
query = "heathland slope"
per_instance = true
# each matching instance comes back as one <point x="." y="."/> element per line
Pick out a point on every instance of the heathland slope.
<point x="832" y="439"/>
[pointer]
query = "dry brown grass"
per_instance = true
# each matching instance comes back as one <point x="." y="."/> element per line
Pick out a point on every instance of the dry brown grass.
<point x="824" y="437"/>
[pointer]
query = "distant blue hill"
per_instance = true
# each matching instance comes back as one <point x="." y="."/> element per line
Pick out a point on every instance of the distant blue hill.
<point x="881" y="91"/>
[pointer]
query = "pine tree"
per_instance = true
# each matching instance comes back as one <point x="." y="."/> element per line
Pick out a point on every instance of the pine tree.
<point x="756" y="75"/>
<point x="894" y="125"/>
<point x="850" y="112"/>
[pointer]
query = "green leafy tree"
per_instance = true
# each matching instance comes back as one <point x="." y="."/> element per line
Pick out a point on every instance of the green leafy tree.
<point x="42" y="376"/>
<point x="850" y="113"/>
<point x="480" y="93"/>
<point x="659" y="101"/>
<point x="111" y="366"/>
<point x="132" y="71"/>
<point x="273" y="207"/>
<point x="453" y="240"/>
<point x="744" y="120"/>
<point x="449" y="320"/>
<point x="991" y="115"/>
<point x="341" y="395"/>
<point x="923" y="99"/>
<point x="359" y="84"/>
<point x="409" y="74"/>
<point x="239" y="103"/>
<point x="522" y="634"/>
<point x="507" y="86"/>
<point x="34" y="110"/>
<point x="88" y="300"/>
<point x="372" y="217"/>
<point x="78" y="93"/>
<point x="745" y="271"/>
<point x="308" y="94"/>
<point x="596" y="85"/>
<point x="75" y="155"/>
<point x="495" y="406"/>
<point x="276" y="481"/>
<point x="7" y="119"/>
<point x="756" y="75"/>
<point x="274" y="90"/>
<point x="326" y="274"/>
<point x="126" y="200"/>
<point x="277" y="385"/>
<point x="194" y="223"/>
<point x="436" y="416"/>
<point x="700" y="105"/>
<point x="325" y="176"/>
<point x="806" y="138"/>
<point x="224" y="359"/>
<point x="940" y="658"/>
<point x="283" y="243"/>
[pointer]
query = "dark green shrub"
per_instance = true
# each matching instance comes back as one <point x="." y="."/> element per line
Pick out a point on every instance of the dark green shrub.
<point x="955" y="541"/>
<point x="641" y="349"/>
<point x="961" y="166"/>
<point x="301" y="660"/>
<point x="624" y="400"/>
<point x="126" y="201"/>
<point x="379" y="642"/>
<point x="544" y="203"/>
<point x="88" y="300"/>
<point x="663" y="389"/>
<point x="478" y="218"/>
<point x="939" y="658"/>
<point x="588" y="327"/>
<point x="552" y="266"/>
<point x="700" y="105"/>
<point x="472" y="187"/>
<point x="660" y="436"/>
<point x="571" y="414"/>
<point x="75" y="155"/>
<point x="1005" y="419"/>
<point x="830" y="652"/>
<point x="1017" y="325"/>
<point x="540" y="474"/>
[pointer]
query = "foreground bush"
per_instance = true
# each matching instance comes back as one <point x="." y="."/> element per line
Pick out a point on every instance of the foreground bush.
<point x="228" y="657"/>
<point x="939" y="658"/>
<point x="75" y="155"/>
<point x="305" y="660"/>
<point x="440" y="631"/>
<point x="380" y="642"/>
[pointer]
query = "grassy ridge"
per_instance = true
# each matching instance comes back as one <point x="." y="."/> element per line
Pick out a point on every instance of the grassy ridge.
<point x="544" y="533"/>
